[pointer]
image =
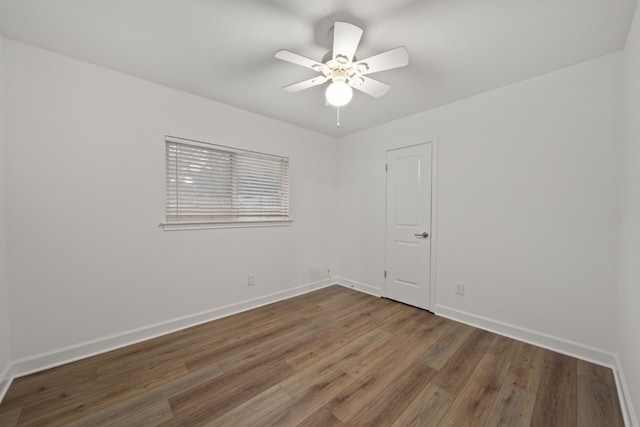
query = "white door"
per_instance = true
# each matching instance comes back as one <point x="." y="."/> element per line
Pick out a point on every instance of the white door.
<point x="408" y="246"/>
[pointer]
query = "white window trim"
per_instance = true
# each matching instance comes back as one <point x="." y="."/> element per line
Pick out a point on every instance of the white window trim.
<point x="207" y="225"/>
<point x="240" y="222"/>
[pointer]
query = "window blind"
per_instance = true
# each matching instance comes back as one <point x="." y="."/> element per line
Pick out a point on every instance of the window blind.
<point x="213" y="183"/>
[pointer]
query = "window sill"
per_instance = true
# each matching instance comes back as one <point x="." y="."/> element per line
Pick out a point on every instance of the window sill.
<point x="204" y="225"/>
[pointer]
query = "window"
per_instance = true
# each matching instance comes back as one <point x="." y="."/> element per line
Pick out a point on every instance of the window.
<point x="209" y="183"/>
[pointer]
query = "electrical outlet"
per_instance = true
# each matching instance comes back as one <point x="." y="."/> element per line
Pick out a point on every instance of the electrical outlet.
<point x="459" y="288"/>
<point x="252" y="280"/>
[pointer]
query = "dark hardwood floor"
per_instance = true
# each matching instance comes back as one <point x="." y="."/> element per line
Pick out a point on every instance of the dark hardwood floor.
<point x="332" y="357"/>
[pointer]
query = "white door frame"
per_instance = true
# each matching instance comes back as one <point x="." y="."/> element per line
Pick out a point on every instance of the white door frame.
<point x="434" y="141"/>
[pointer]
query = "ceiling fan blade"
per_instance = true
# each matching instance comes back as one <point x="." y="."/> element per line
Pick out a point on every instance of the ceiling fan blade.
<point x="294" y="58"/>
<point x="394" y="58"/>
<point x="297" y="87"/>
<point x="346" y="38"/>
<point x="372" y="87"/>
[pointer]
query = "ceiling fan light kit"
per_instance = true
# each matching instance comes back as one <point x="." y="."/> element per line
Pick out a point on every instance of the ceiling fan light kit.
<point x="342" y="70"/>
<point x="339" y="93"/>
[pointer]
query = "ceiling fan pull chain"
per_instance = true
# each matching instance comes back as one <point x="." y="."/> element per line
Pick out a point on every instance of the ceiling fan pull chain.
<point x="338" y="118"/>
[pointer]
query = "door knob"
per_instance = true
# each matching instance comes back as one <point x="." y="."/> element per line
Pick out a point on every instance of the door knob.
<point x="423" y="235"/>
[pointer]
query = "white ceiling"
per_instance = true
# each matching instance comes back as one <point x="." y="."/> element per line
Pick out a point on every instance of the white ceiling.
<point x="223" y="50"/>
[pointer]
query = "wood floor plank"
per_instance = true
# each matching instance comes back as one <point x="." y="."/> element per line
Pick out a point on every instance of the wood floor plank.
<point x="352" y="401"/>
<point x="358" y="367"/>
<point x="302" y="380"/>
<point x="363" y="309"/>
<point x="214" y="398"/>
<point x="229" y="350"/>
<point x="426" y="410"/>
<point x="348" y="299"/>
<point x="350" y="330"/>
<point x="355" y="350"/>
<point x="556" y="398"/>
<point x="384" y="408"/>
<point x="9" y="418"/>
<point x="504" y="347"/>
<point x="400" y="318"/>
<point x="442" y="351"/>
<point x="369" y="309"/>
<point x="332" y="357"/>
<point x="143" y="366"/>
<point x="471" y="407"/>
<point x="149" y="416"/>
<point x="426" y="316"/>
<point x="512" y="408"/>
<point x="48" y="390"/>
<point x="289" y="344"/>
<point x="597" y="372"/>
<point x="267" y="329"/>
<point x="119" y="411"/>
<point x="526" y="367"/>
<point x="205" y="333"/>
<point x="254" y="409"/>
<point x="97" y="395"/>
<point x="358" y="348"/>
<point x="425" y="334"/>
<point x="597" y="403"/>
<point x="321" y="418"/>
<point x="307" y="402"/>
<point x="597" y="383"/>
<point x="457" y="370"/>
<point x="44" y="385"/>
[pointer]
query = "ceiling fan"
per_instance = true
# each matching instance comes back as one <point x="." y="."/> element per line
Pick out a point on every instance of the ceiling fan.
<point x="341" y="67"/>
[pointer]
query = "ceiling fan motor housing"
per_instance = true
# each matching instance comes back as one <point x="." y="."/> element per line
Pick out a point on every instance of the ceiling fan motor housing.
<point x="341" y="69"/>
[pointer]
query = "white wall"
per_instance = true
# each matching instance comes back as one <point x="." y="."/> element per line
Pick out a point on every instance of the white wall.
<point x="629" y="283"/>
<point x="86" y="195"/>
<point x="4" y="284"/>
<point x="527" y="203"/>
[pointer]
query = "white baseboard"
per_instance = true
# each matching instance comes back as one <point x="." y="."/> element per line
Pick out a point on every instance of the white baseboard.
<point x="626" y="404"/>
<point x="5" y="380"/>
<point x="557" y="344"/>
<point x="40" y="362"/>
<point x="367" y="289"/>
